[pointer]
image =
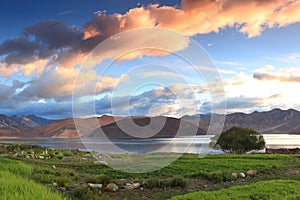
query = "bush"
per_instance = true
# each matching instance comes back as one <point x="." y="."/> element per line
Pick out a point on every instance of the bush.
<point x="171" y="182"/>
<point x="178" y="182"/>
<point x="63" y="181"/>
<point x="84" y="193"/>
<point x="102" y="178"/>
<point x="156" y="183"/>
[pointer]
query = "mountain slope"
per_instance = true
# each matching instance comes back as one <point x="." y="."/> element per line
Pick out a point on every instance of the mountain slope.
<point x="274" y="121"/>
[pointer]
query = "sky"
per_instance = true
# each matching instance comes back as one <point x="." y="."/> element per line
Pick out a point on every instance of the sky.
<point x="53" y="55"/>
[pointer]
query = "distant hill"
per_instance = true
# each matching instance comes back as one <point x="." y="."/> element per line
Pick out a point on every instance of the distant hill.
<point x="169" y="129"/>
<point x="275" y="121"/>
<point x="29" y="120"/>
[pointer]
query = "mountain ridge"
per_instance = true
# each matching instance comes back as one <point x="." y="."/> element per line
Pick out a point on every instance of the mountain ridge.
<point x="273" y="121"/>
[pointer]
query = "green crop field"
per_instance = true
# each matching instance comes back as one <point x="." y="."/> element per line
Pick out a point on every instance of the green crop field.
<point x="265" y="190"/>
<point x="14" y="183"/>
<point x="190" y="176"/>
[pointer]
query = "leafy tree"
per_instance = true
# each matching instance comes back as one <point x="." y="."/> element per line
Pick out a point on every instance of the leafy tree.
<point x="238" y="140"/>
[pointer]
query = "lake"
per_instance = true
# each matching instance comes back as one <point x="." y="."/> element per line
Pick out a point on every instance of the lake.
<point x="175" y="145"/>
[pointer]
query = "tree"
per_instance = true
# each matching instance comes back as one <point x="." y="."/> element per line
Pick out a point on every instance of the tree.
<point x="238" y="140"/>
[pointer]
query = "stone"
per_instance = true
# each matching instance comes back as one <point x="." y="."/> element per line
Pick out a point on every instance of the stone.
<point x="95" y="185"/>
<point x="131" y="186"/>
<point x="251" y="173"/>
<point x="54" y="184"/>
<point x="242" y="175"/>
<point x="53" y="167"/>
<point x="62" y="189"/>
<point x="71" y="187"/>
<point x="100" y="162"/>
<point x="111" y="187"/>
<point x="235" y="175"/>
<point x="136" y="185"/>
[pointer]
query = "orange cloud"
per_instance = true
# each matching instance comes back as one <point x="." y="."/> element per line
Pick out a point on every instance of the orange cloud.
<point x="198" y="17"/>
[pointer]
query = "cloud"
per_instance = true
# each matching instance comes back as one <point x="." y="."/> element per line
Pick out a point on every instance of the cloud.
<point x="241" y="104"/>
<point x="53" y="39"/>
<point x="58" y="84"/>
<point x="281" y="75"/>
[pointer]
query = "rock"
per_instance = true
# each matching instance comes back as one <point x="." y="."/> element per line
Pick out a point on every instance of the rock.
<point x="100" y="162"/>
<point x="62" y="189"/>
<point x="205" y="186"/>
<point x="141" y="188"/>
<point x="53" y="167"/>
<point x="71" y="187"/>
<point x="131" y="186"/>
<point x="242" y="175"/>
<point x="95" y="185"/>
<point x="81" y="183"/>
<point x="111" y="187"/>
<point x="251" y="173"/>
<point x="54" y="184"/>
<point x="235" y="175"/>
<point x="144" y="183"/>
<point x="41" y="157"/>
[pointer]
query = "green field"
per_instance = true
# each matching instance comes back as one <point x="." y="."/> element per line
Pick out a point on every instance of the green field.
<point x="268" y="190"/>
<point x="15" y="183"/>
<point x="34" y="178"/>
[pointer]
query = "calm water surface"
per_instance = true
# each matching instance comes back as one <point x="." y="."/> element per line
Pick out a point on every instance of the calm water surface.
<point x="177" y="145"/>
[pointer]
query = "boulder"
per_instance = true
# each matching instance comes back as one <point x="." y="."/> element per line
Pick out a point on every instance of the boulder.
<point x="62" y="189"/>
<point x="251" y="173"/>
<point x="71" y="187"/>
<point x="95" y="185"/>
<point x="100" y="162"/>
<point x="131" y="186"/>
<point x="111" y="187"/>
<point x="242" y="175"/>
<point x="235" y="175"/>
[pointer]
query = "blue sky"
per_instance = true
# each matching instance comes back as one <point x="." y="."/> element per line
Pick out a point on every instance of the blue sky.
<point x="254" y="45"/>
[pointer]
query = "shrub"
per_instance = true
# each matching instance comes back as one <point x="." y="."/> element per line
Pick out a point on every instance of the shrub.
<point x="63" y="181"/>
<point x="177" y="182"/>
<point x="102" y="178"/>
<point x="84" y="193"/>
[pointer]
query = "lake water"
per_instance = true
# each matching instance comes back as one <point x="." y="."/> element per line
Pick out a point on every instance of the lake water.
<point x="175" y="145"/>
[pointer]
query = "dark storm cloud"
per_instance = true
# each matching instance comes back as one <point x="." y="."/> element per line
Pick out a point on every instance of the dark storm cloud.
<point x="22" y="50"/>
<point x="55" y="34"/>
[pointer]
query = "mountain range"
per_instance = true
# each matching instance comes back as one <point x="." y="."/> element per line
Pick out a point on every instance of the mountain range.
<point x="276" y="121"/>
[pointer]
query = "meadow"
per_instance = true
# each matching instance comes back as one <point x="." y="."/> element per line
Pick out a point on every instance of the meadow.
<point x="64" y="174"/>
<point x="15" y="183"/>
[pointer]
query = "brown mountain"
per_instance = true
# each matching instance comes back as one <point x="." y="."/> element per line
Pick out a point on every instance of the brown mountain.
<point x="170" y="128"/>
<point x="274" y="121"/>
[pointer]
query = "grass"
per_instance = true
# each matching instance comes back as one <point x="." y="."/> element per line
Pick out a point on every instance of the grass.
<point x="189" y="166"/>
<point x="210" y="173"/>
<point x="265" y="190"/>
<point x="16" y="167"/>
<point x="16" y="187"/>
<point x="15" y="183"/>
